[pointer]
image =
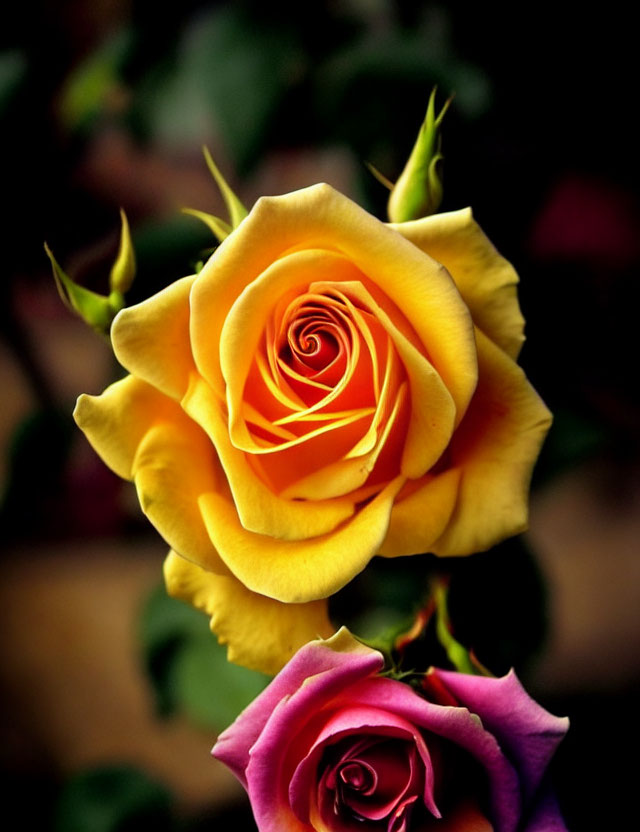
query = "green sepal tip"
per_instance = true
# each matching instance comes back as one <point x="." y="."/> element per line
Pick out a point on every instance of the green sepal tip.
<point x="237" y="211"/>
<point x="218" y="227"/>
<point x="418" y="191"/>
<point x="123" y="270"/>
<point x="94" y="309"/>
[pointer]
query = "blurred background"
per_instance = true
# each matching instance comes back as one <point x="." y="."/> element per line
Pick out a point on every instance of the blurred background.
<point x="111" y="695"/>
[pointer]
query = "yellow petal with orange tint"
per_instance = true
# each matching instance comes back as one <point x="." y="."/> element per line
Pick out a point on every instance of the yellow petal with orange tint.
<point x="151" y="339"/>
<point x="261" y="633"/>
<point x="259" y="509"/>
<point x="349" y="473"/>
<point x="495" y="448"/>
<point x="420" y="518"/>
<point x="486" y="281"/>
<point x="320" y="217"/>
<point x="433" y="412"/>
<point x="299" y="571"/>
<point x="246" y="324"/>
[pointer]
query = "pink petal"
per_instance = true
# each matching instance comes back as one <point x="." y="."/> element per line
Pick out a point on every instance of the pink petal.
<point x="323" y="668"/>
<point x="462" y="728"/>
<point x="527" y="733"/>
<point x="546" y="816"/>
<point x="356" y="720"/>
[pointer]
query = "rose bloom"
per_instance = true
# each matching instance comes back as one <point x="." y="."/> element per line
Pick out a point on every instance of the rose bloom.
<point x="327" y="388"/>
<point x="330" y="746"/>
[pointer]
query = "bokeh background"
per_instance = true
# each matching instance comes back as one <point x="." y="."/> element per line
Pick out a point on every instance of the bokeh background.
<point x="111" y="698"/>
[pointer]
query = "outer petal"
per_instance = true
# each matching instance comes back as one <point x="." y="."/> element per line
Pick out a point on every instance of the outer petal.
<point x="546" y="816"/>
<point x="146" y="437"/>
<point x="528" y="734"/>
<point x="322" y="668"/>
<point x="298" y="571"/>
<point x="116" y="422"/>
<point x="319" y="217"/>
<point x="419" y="519"/>
<point x="261" y="634"/>
<point x="151" y="339"/>
<point x="174" y="466"/>
<point x="486" y="281"/>
<point x="495" y="447"/>
<point x="284" y="741"/>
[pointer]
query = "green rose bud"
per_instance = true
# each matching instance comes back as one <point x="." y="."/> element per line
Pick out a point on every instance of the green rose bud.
<point x="418" y="191"/>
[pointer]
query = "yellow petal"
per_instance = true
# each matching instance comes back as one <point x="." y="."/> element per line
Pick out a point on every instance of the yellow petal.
<point x="419" y="519"/>
<point x="495" y="448"/>
<point x="145" y="436"/>
<point x="259" y="508"/>
<point x="486" y="281"/>
<point x="299" y="571"/>
<point x="321" y="218"/>
<point x="116" y="422"/>
<point x="151" y="339"/>
<point x="261" y="633"/>
<point x="174" y="466"/>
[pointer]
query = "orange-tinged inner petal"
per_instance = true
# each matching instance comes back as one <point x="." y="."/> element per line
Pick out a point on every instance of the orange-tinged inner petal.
<point x="279" y="228"/>
<point x="324" y="368"/>
<point x="259" y="508"/>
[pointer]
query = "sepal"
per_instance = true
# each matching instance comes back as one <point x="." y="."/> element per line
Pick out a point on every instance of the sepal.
<point x="123" y="270"/>
<point x="237" y="212"/>
<point x="418" y="191"/>
<point x="94" y="309"/>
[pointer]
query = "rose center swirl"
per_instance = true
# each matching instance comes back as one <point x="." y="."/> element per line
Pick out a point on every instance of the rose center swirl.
<point x="317" y="340"/>
<point x="372" y="780"/>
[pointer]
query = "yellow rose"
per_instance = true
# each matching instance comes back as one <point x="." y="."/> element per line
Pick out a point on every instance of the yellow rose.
<point x="326" y="389"/>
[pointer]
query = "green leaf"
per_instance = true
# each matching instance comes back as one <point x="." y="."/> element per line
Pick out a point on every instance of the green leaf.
<point x="13" y="70"/>
<point x="88" y="88"/>
<point x="189" y="669"/>
<point x="113" y="799"/>
<point x="241" y="73"/>
<point x="211" y="690"/>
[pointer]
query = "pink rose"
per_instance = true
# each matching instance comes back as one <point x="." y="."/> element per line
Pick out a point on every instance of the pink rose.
<point x="333" y="747"/>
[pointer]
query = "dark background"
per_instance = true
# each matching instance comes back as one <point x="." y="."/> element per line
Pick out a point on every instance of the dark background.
<point x="107" y="104"/>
